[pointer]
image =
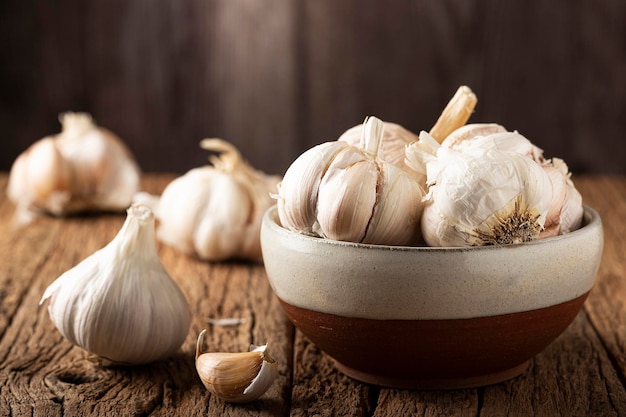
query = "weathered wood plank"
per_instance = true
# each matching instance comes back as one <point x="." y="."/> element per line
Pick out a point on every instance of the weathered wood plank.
<point x="320" y="390"/>
<point x="607" y="302"/>
<point x="42" y="374"/>
<point x="581" y="373"/>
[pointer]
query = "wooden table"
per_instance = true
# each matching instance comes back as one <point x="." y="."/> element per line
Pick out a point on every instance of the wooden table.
<point x="583" y="373"/>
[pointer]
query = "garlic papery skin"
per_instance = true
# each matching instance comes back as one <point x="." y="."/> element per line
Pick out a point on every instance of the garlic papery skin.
<point x="566" y="209"/>
<point x="343" y="192"/>
<point x="565" y="212"/>
<point x="236" y="377"/>
<point x="119" y="303"/>
<point x="483" y="197"/>
<point x="214" y="212"/>
<point x="85" y="167"/>
<point x="492" y="136"/>
<point x="394" y="141"/>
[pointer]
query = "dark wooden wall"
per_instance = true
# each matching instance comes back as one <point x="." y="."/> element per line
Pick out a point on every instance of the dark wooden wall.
<point x="276" y="77"/>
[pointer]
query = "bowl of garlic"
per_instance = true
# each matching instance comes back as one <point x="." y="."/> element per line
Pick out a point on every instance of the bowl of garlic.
<point x="456" y="282"/>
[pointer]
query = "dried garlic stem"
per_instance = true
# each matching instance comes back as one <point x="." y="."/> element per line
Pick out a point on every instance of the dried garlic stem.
<point x="455" y="114"/>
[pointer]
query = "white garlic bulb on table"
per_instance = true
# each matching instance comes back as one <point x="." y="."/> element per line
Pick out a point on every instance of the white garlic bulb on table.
<point x="85" y="167"/>
<point x="481" y="196"/>
<point x="343" y="192"/>
<point x="214" y="212"/>
<point x="119" y="303"/>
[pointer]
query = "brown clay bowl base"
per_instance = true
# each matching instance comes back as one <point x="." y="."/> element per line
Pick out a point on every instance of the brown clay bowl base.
<point x="435" y="354"/>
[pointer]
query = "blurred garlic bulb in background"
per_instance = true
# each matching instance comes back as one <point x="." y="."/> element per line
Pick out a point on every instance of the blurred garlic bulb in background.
<point x="344" y="192"/>
<point x="214" y="212"/>
<point x="120" y="303"/>
<point x="85" y="167"/>
<point x="565" y="213"/>
<point x="480" y="196"/>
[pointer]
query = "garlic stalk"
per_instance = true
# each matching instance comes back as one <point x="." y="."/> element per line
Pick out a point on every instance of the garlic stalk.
<point x="451" y="120"/>
<point x="120" y="303"/>
<point x="482" y="196"/>
<point x="348" y="193"/>
<point x="236" y="377"/>
<point x="85" y="167"/>
<point x="456" y="113"/>
<point x="214" y="212"/>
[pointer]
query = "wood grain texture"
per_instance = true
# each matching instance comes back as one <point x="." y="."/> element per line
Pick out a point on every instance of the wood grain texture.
<point x="582" y="373"/>
<point x="279" y="76"/>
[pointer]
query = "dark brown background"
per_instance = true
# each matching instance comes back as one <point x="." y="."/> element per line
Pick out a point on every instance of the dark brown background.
<point x="276" y="77"/>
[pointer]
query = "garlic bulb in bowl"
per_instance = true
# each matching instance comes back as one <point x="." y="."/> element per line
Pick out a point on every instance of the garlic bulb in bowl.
<point x="214" y="212"/>
<point x="85" y="167"/>
<point x="343" y="192"/>
<point x="566" y="209"/>
<point x="482" y="196"/>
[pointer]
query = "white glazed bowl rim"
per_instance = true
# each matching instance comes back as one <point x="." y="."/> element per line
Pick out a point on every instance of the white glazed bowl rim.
<point x="479" y="281"/>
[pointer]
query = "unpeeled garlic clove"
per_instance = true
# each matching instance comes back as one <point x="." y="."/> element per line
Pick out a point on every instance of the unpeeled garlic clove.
<point x="566" y="209"/>
<point x="235" y="377"/>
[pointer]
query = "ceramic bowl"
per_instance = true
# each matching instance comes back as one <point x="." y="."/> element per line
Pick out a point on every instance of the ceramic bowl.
<point x="431" y="318"/>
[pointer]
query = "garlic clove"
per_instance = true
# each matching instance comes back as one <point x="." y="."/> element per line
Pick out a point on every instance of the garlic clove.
<point x="235" y="377"/>
<point x="393" y="205"/>
<point x="566" y="210"/>
<point x="119" y="303"/>
<point x="298" y="191"/>
<point x="347" y="196"/>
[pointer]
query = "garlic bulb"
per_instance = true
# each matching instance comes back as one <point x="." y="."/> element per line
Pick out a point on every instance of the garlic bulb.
<point x="85" y="167"/>
<point x="565" y="212"/>
<point x="119" y="303"/>
<point x="214" y="212"/>
<point x="348" y="193"/>
<point x="236" y="377"/>
<point x="482" y="196"/>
